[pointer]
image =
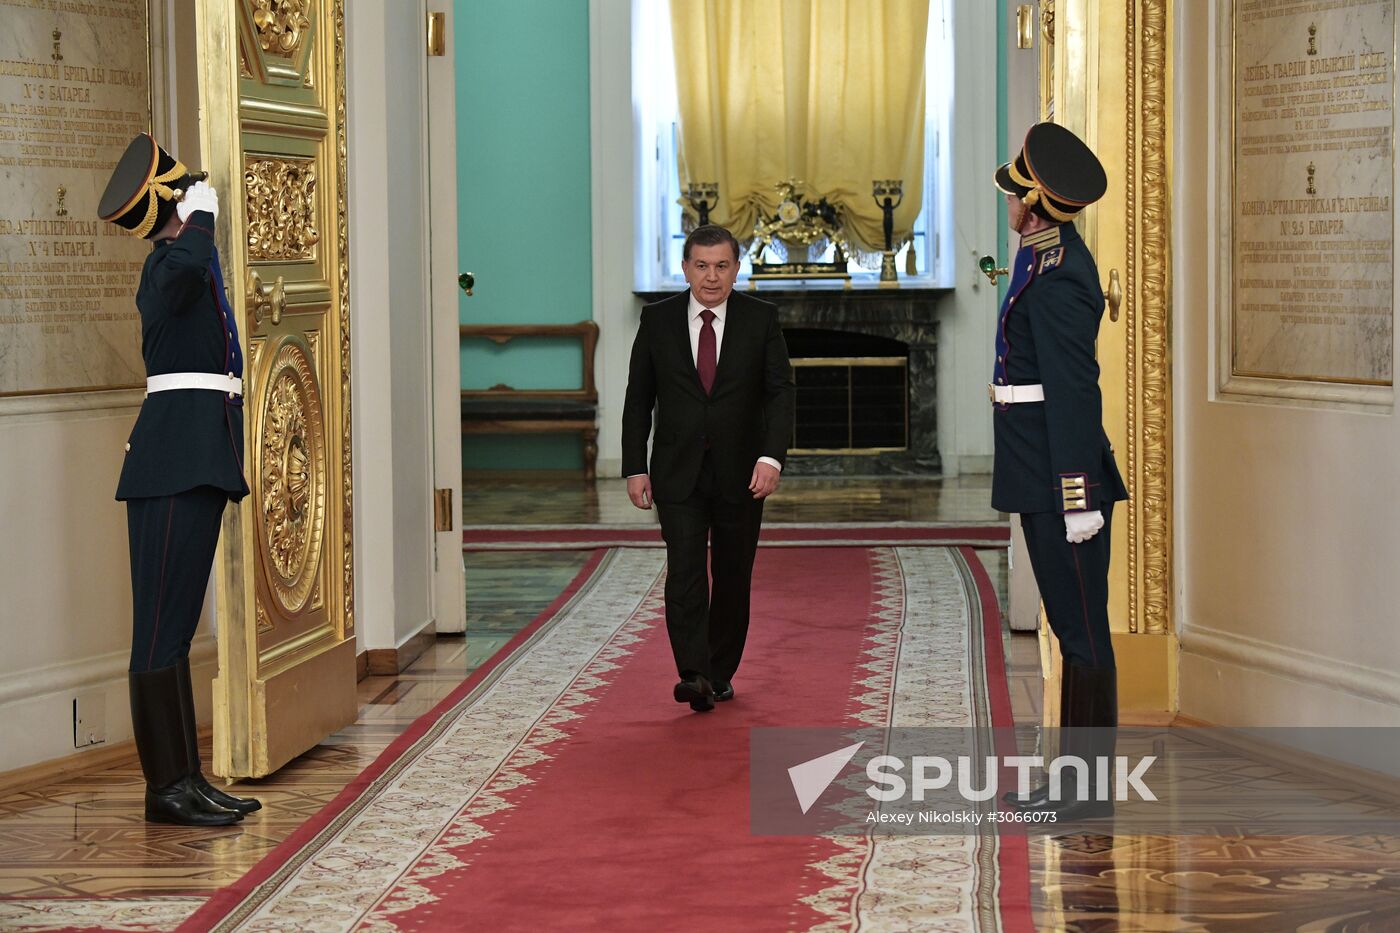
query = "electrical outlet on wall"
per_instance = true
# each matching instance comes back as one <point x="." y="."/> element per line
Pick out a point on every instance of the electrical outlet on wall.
<point x="89" y="719"/>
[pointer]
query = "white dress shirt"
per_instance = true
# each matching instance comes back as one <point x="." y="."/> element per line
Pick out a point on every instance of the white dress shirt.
<point x="697" y="322"/>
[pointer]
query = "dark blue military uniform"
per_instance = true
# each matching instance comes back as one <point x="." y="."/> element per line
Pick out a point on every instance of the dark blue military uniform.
<point x="184" y="459"/>
<point x="1053" y="457"/>
<point x="184" y="462"/>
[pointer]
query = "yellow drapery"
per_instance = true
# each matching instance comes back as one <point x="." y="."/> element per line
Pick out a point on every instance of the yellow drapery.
<point x="830" y="92"/>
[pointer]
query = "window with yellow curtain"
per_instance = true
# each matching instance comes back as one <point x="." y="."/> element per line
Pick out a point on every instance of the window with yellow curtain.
<point x="744" y="94"/>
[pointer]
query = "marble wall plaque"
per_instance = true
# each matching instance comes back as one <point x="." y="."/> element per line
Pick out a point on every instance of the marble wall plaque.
<point x="74" y="90"/>
<point x="1313" y="184"/>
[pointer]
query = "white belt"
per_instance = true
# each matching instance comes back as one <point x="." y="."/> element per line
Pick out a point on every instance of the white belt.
<point x="212" y="381"/>
<point x="1014" y="395"/>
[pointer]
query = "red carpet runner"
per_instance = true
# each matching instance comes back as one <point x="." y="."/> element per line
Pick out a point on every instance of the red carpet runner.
<point x="561" y="788"/>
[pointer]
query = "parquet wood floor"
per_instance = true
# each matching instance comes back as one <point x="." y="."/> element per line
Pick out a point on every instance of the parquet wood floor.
<point x="83" y="838"/>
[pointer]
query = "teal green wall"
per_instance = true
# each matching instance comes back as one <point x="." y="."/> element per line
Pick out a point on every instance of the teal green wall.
<point x="523" y="203"/>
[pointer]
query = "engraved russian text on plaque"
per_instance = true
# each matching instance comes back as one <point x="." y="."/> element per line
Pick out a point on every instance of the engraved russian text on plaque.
<point x="74" y="90"/>
<point x="1313" y="169"/>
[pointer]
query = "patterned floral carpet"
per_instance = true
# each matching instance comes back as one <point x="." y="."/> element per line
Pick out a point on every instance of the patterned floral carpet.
<point x="560" y="788"/>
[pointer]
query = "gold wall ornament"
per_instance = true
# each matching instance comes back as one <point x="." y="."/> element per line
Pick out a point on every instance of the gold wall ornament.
<point x="1025" y="26"/>
<point x="292" y="475"/>
<point x="281" y="196"/>
<point x="1047" y="20"/>
<point x="343" y="291"/>
<point x="264" y="623"/>
<point x="282" y="24"/>
<point x="1148" y="309"/>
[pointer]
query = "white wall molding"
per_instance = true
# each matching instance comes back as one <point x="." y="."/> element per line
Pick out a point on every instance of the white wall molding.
<point x="370" y="332"/>
<point x="612" y="164"/>
<point x="71" y="403"/>
<point x="80" y="674"/>
<point x="449" y="583"/>
<point x="1366" y="683"/>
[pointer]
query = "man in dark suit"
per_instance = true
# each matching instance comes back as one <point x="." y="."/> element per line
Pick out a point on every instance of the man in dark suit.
<point x="1053" y="463"/>
<point x="714" y="365"/>
<point x="184" y="463"/>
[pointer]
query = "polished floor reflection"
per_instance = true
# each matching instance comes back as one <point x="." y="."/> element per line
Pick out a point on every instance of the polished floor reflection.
<point x="798" y="499"/>
<point x="83" y="837"/>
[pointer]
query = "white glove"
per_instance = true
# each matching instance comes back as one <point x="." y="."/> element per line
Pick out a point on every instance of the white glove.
<point x="198" y="197"/>
<point x="1081" y="526"/>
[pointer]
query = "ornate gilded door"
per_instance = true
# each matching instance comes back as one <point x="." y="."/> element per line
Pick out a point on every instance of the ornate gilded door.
<point x="273" y="132"/>
<point x="1105" y="75"/>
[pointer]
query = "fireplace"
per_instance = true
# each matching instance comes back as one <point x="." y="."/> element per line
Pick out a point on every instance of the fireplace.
<point x="864" y="362"/>
<point x="852" y="392"/>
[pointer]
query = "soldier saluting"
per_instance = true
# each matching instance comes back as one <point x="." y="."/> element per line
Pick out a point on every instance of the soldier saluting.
<point x="1053" y="463"/>
<point x="184" y="462"/>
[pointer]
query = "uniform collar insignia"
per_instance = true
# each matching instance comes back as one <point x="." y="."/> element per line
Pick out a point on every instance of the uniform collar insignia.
<point x="1043" y="239"/>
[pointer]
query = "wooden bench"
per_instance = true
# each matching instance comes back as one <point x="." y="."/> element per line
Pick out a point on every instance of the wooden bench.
<point x="505" y="410"/>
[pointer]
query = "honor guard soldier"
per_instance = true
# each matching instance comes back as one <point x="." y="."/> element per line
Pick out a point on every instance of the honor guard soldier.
<point x="1053" y="464"/>
<point x="184" y="462"/>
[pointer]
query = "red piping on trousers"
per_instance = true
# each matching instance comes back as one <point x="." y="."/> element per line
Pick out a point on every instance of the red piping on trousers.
<point x="160" y="592"/>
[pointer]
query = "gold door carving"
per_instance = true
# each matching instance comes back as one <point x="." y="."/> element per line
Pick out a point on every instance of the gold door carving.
<point x="1104" y="74"/>
<point x="287" y="662"/>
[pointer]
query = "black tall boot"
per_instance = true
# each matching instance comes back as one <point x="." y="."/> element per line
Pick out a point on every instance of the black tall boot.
<point x="1088" y="724"/>
<point x="190" y="730"/>
<point x="1037" y="795"/>
<point x="157" y="722"/>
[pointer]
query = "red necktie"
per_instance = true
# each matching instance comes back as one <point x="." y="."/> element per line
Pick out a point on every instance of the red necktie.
<point x="706" y="354"/>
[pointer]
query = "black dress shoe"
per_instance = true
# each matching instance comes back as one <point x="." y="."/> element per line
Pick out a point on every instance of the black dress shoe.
<point x="697" y="692"/>
<point x="724" y="690"/>
<point x="225" y="800"/>
<point x="1034" y="796"/>
<point x="180" y="803"/>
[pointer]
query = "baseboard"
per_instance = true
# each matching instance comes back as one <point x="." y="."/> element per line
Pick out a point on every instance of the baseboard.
<point x="60" y="769"/>
<point x="389" y="661"/>
<point x="361" y="666"/>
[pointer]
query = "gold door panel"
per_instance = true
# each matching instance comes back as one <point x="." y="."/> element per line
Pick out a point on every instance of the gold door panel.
<point x="1105" y="75"/>
<point x="274" y="95"/>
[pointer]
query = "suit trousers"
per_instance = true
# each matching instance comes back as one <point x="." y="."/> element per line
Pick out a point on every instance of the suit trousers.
<point x="172" y="541"/>
<point x="709" y="622"/>
<point x="1073" y="582"/>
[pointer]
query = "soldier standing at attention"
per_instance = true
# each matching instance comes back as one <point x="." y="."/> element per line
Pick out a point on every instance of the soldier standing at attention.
<point x="1053" y="464"/>
<point x="184" y="462"/>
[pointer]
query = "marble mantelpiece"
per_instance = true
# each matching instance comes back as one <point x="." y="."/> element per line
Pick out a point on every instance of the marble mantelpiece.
<point x="907" y="314"/>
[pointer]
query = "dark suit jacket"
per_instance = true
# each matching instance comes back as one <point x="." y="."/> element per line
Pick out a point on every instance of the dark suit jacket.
<point x="185" y="438"/>
<point x="749" y="413"/>
<point x="1052" y="456"/>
